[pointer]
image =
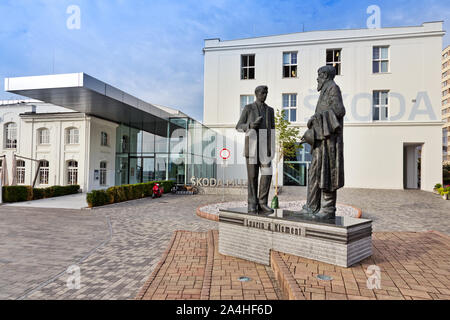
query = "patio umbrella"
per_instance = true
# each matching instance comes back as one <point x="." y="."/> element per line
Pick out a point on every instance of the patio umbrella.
<point x="14" y="169"/>
<point x="4" y="172"/>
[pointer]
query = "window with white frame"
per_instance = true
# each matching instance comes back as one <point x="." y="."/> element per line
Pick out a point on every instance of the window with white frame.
<point x="104" y="139"/>
<point x="247" y="66"/>
<point x="1" y="168"/>
<point x="380" y="59"/>
<point x="20" y="171"/>
<point x="72" y="172"/>
<point x="290" y="64"/>
<point x="11" y="135"/>
<point x="290" y="106"/>
<point x="245" y="100"/>
<point x="380" y="105"/>
<point x="334" y="59"/>
<point x="72" y="136"/>
<point x="43" y="171"/>
<point x="103" y="172"/>
<point x="44" y="136"/>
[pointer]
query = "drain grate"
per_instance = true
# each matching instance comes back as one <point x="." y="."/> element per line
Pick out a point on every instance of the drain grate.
<point x="324" y="277"/>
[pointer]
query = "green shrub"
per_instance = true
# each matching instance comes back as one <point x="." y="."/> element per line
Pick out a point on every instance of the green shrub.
<point x="97" y="198"/>
<point x="17" y="193"/>
<point x="38" y="194"/>
<point x="437" y="186"/>
<point x="125" y="192"/>
<point x="440" y="190"/>
<point x="55" y="191"/>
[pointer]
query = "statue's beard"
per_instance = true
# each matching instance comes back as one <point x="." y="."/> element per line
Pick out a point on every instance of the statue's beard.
<point x="319" y="85"/>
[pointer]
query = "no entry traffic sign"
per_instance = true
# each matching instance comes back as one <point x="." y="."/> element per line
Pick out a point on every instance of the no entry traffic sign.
<point x="225" y="154"/>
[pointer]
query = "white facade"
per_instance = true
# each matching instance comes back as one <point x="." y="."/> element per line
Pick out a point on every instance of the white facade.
<point x="84" y="148"/>
<point x="377" y="152"/>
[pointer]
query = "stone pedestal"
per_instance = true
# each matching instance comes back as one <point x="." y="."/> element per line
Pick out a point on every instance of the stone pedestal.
<point x="342" y="241"/>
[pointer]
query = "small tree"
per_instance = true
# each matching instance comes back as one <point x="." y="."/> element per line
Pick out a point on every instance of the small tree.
<point x="287" y="139"/>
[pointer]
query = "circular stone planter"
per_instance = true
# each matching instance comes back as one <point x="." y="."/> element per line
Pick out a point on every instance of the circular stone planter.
<point x="211" y="211"/>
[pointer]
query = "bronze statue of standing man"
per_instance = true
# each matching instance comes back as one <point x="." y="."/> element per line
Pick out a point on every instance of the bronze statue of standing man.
<point x="258" y="122"/>
<point x="325" y="135"/>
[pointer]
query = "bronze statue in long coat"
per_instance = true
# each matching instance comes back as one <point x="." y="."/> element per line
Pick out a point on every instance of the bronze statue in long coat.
<point x="325" y="135"/>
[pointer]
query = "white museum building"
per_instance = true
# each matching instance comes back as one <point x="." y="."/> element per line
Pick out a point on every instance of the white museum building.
<point x="76" y="129"/>
<point x="390" y="79"/>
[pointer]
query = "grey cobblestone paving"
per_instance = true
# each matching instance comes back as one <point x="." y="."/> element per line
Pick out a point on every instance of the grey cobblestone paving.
<point x="38" y="244"/>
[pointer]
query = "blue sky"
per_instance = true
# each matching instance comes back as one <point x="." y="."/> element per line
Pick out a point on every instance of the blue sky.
<point x="153" y="49"/>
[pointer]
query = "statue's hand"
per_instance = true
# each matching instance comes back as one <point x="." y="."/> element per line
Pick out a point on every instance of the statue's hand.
<point x="256" y="123"/>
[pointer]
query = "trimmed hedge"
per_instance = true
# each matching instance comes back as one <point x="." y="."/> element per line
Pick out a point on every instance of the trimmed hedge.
<point x="125" y="192"/>
<point x="27" y="193"/>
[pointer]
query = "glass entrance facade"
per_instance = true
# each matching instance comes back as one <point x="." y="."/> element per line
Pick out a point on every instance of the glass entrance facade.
<point x="174" y="149"/>
<point x="295" y="169"/>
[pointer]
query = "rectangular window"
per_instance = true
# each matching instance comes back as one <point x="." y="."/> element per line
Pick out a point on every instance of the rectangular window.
<point x="44" y="136"/>
<point x="43" y="172"/>
<point x="380" y="60"/>
<point x="72" y="136"/>
<point x="290" y="106"/>
<point x="444" y="74"/>
<point x="334" y="59"/>
<point x="247" y="66"/>
<point x="245" y="100"/>
<point x="103" y="173"/>
<point x="20" y="171"/>
<point x="11" y="136"/>
<point x="104" y="139"/>
<point x="380" y="105"/>
<point x="289" y="64"/>
<point x="72" y="176"/>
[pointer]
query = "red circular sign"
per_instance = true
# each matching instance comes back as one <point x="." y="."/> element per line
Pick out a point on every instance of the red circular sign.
<point x="225" y="154"/>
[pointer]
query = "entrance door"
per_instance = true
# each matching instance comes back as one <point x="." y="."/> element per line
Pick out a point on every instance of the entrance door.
<point x="148" y="169"/>
<point x="411" y="165"/>
<point x="142" y="169"/>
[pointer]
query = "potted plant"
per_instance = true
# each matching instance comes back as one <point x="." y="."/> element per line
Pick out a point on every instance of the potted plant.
<point x="287" y="139"/>
<point x="436" y="188"/>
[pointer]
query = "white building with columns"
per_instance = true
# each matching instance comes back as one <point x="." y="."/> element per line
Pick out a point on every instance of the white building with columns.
<point x="390" y="80"/>
<point x="76" y="129"/>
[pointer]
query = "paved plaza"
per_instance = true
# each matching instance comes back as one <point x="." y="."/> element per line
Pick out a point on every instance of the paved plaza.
<point x="117" y="247"/>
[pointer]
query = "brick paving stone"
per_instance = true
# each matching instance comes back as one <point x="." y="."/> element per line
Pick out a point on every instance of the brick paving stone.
<point x="185" y="247"/>
<point x="38" y="244"/>
<point x="397" y="283"/>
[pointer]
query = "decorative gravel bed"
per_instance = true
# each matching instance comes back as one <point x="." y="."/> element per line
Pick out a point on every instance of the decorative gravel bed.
<point x="213" y="209"/>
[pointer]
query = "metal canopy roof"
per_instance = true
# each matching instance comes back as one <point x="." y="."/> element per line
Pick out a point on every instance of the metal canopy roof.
<point x="83" y="93"/>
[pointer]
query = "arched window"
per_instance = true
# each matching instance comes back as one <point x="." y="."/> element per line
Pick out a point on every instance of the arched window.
<point x="20" y="171"/>
<point x="43" y="171"/>
<point x="44" y="136"/>
<point x="72" y="172"/>
<point x="11" y="135"/>
<point x="103" y="172"/>
<point x="72" y="136"/>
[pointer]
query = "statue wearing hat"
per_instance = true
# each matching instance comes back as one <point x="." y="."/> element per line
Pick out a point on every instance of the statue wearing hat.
<point x="325" y="135"/>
